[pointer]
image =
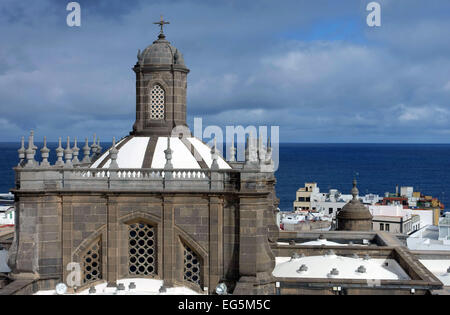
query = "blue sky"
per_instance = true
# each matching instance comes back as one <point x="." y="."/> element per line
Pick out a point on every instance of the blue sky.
<point x="312" y="67"/>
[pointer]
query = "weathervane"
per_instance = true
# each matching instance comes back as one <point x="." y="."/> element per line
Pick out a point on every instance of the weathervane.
<point x="161" y="24"/>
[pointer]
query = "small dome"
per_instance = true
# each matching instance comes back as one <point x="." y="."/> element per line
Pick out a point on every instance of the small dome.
<point x="161" y="52"/>
<point x="148" y="152"/>
<point x="354" y="216"/>
<point x="355" y="209"/>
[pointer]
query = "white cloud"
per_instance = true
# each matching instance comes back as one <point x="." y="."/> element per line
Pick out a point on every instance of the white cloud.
<point x="243" y="69"/>
<point x="430" y="114"/>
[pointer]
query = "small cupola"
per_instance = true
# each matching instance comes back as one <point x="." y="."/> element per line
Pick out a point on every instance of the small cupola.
<point x="161" y="88"/>
<point x="354" y="216"/>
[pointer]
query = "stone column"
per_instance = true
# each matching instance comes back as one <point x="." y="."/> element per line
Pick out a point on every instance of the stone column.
<point x="24" y="258"/>
<point x="255" y="261"/>
<point x="168" y="241"/>
<point x="112" y="251"/>
<point x="215" y="242"/>
<point x="67" y="234"/>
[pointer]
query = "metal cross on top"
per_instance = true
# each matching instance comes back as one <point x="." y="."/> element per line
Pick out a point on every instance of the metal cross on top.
<point x="161" y="24"/>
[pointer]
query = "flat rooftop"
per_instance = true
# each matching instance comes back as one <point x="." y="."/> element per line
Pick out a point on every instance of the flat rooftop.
<point x="339" y="267"/>
<point x="143" y="287"/>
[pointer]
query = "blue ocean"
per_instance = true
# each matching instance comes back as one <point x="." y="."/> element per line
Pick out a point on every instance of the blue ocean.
<point x="378" y="168"/>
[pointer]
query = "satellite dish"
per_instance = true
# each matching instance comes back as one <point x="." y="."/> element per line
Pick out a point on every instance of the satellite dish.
<point x="221" y="289"/>
<point x="61" y="288"/>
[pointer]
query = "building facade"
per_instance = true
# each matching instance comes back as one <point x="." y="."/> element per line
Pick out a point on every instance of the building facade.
<point x="161" y="204"/>
<point x="303" y="197"/>
<point x="158" y="204"/>
<point x="394" y="219"/>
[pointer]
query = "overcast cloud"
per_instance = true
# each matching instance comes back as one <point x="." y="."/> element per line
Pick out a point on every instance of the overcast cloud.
<point x="312" y="67"/>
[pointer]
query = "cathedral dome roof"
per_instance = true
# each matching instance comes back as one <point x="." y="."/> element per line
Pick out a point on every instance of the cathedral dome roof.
<point x="161" y="52"/>
<point x="148" y="152"/>
<point x="355" y="209"/>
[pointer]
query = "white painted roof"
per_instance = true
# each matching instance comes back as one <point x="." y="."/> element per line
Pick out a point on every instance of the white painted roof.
<point x="133" y="151"/>
<point x="6" y="208"/>
<point x="427" y="238"/>
<point x="320" y="242"/>
<point x="143" y="287"/>
<point x="105" y="154"/>
<point x="4" y="261"/>
<point x="205" y="153"/>
<point x="438" y="267"/>
<point x="321" y="266"/>
<point x="181" y="156"/>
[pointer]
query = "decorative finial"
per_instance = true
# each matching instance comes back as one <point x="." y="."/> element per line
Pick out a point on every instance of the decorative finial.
<point x="86" y="152"/>
<point x="94" y="147"/>
<point x="232" y="157"/>
<point x="113" y="153"/>
<point x="99" y="148"/>
<point x="355" y="191"/>
<point x="75" y="150"/>
<point x="59" y="153"/>
<point x="168" y="152"/>
<point x="21" y="152"/>
<point x="214" y="156"/>
<point x="32" y="136"/>
<point x="269" y="152"/>
<point x="45" y="153"/>
<point x="94" y="143"/>
<point x="161" y="23"/>
<point x="68" y="154"/>
<point x="261" y="150"/>
<point x="251" y="153"/>
<point x="30" y="151"/>
<point x="247" y="146"/>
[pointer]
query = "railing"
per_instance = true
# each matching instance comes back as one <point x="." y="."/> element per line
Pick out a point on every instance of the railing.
<point x="90" y="173"/>
<point x="127" y="179"/>
<point x="138" y="173"/>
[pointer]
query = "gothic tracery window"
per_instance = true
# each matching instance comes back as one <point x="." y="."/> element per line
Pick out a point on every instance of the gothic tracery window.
<point x="92" y="263"/>
<point x="142" y="249"/>
<point x="157" y="102"/>
<point x="191" y="266"/>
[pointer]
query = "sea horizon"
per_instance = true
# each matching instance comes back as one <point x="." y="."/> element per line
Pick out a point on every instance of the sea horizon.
<point x="378" y="167"/>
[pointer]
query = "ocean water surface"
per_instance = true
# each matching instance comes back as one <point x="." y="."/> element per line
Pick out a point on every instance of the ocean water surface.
<point x="378" y="168"/>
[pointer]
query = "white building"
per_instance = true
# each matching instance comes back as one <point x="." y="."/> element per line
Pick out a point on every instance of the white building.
<point x="7" y="215"/>
<point x="430" y="237"/>
<point x="332" y="202"/>
<point x="444" y="227"/>
<point x="394" y="219"/>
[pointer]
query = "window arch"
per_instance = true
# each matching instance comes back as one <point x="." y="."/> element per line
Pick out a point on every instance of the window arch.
<point x="92" y="263"/>
<point x="192" y="265"/>
<point x="157" y="103"/>
<point x="142" y="251"/>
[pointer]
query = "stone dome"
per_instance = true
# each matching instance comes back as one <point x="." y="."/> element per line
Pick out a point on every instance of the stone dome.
<point x="354" y="216"/>
<point x="354" y="210"/>
<point x="161" y="52"/>
<point x="136" y="152"/>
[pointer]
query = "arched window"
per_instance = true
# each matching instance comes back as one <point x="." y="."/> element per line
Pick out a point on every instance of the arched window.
<point x="191" y="266"/>
<point x="92" y="263"/>
<point x="142" y="258"/>
<point x="157" y="102"/>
